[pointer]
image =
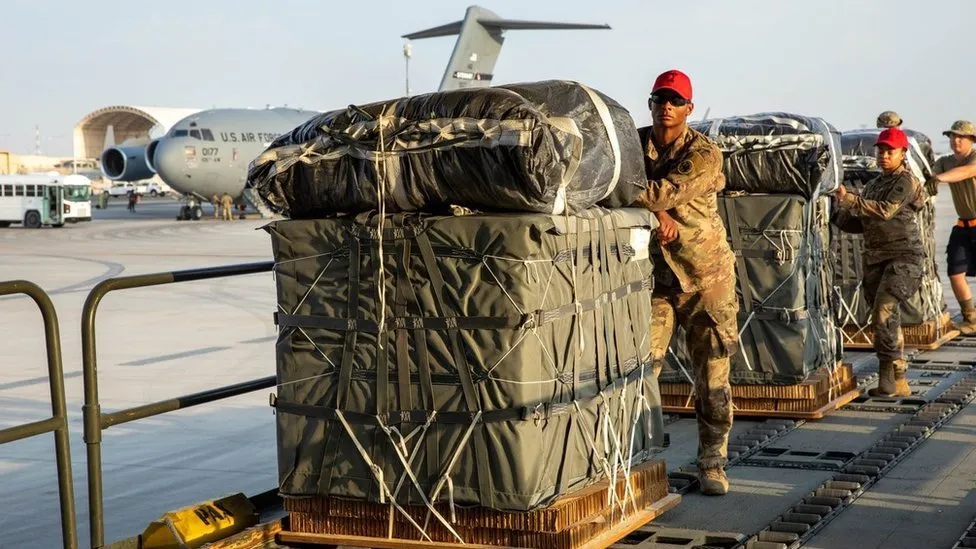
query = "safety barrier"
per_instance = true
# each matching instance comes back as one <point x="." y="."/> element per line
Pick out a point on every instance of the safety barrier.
<point x="95" y="421"/>
<point x="58" y="422"/>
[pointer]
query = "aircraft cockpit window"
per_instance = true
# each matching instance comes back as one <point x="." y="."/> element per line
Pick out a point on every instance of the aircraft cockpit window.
<point x="207" y="135"/>
<point x="195" y="134"/>
<point x="179" y="133"/>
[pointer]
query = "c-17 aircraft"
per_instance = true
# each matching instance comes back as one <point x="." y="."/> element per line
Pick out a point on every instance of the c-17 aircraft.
<point x="208" y="152"/>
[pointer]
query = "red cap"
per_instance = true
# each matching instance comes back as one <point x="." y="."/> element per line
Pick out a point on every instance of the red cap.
<point x="676" y="81"/>
<point x="894" y="138"/>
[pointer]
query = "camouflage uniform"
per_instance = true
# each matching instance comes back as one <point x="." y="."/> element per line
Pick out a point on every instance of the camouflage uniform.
<point x="215" y="200"/>
<point x="695" y="279"/>
<point x="894" y="255"/>
<point x="226" y="205"/>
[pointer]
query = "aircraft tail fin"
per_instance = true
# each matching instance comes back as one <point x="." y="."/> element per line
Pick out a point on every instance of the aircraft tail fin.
<point x="480" y="38"/>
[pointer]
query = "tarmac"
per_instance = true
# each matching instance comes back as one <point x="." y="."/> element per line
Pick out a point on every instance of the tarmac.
<point x="167" y="341"/>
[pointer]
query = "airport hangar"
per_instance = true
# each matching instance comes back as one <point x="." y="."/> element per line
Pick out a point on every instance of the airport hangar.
<point x="123" y="124"/>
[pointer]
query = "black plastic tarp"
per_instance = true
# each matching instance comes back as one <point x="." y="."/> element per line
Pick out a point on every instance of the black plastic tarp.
<point x="550" y="147"/>
<point x="777" y="153"/>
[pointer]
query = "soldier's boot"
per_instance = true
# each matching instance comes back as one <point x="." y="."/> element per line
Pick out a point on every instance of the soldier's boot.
<point x="713" y="481"/>
<point x="891" y="380"/>
<point x="968" y="326"/>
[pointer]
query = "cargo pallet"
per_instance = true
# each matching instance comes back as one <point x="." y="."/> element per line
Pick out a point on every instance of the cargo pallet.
<point x="928" y="336"/>
<point x="824" y="391"/>
<point x="580" y="520"/>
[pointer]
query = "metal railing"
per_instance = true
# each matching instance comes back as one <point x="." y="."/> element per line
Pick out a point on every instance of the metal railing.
<point x="58" y="422"/>
<point x="96" y="421"/>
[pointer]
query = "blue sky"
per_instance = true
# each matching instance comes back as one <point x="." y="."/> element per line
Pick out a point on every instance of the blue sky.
<point x="844" y="60"/>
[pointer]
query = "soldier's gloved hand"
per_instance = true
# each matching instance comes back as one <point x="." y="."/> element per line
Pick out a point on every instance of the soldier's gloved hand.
<point x="667" y="230"/>
<point x="932" y="185"/>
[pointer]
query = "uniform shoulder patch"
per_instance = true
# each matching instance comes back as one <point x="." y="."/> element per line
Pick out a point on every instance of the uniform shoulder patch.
<point x="685" y="166"/>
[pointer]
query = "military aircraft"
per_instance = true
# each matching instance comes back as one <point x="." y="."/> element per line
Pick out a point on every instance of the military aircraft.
<point x="208" y="152"/>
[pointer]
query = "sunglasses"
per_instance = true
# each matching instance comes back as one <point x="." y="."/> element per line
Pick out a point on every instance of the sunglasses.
<point x="675" y="100"/>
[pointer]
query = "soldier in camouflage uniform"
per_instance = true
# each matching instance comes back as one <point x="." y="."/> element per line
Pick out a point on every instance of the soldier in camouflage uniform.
<point x="894" y="255"/>
<point x="694" y="267"/>
<point x="888" y="119"/>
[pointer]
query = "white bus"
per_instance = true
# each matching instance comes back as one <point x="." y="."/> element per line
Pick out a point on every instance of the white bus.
<point x="77" y="198"/>
<point x="33" y="200"/>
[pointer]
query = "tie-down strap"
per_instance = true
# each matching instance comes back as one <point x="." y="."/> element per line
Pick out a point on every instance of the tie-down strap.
<point x="527" y="321"/>
<point x="541" y="412"/>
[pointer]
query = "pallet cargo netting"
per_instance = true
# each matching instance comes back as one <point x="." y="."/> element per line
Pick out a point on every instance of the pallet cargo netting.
<point x="502" y="361"/>
<point x="924" y="316"/>
<point x="778" y="169"/>
<point x="550" y="147"/>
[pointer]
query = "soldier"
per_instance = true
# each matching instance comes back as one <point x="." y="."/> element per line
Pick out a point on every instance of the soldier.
<point x="695" y="271"/>
<point x="226" y="205"/>
<point x="958" y="170"/>
<point x="888" y="119"/>
<point x="215" y="200"/>
<point x="894" y="255"/>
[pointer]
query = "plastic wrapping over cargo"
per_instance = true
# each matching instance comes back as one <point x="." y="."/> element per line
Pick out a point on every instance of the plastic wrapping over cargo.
<point x="504" y="359"/>
<point x="549" y="147"/>
<point x="928" y="304"/>
<point x="777" y="153"/>
<point x="786" y="323"/>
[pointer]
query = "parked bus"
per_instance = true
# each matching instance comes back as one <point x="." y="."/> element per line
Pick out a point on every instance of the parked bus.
<point x="33" y="200"/>
<point x="77" y="198"/>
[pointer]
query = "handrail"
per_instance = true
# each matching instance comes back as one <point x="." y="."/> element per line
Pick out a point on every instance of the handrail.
<point x="58" y="422"/>
<point x="95" y="421"/>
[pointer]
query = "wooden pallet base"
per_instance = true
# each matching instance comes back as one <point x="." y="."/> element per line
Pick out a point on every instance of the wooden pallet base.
<point x="568" y="523"/>
<point x="605" y="539"/>
<point x="924" y="337"/>
<point x="825" y="391"/>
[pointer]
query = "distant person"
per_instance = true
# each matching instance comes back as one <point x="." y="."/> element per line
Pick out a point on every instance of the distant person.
<point x="215" y="201"/>
<point x="695" y="280"/>
<point x="888" y="119"/>
<point x="958" y="170"/>
<point x="894" y="255"/>
<point x="891" y="119"/>
<point x="226" y="205"/>
<point x="132" y="201"/>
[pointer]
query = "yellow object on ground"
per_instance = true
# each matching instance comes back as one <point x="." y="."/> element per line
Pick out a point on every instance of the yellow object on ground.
<point x="206" y="522"/>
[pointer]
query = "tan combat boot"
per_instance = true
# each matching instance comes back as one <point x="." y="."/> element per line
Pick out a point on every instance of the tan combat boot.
<point x="968" y="326"/>
<point x="891" y="381"/>
<point x="713" y="481"/>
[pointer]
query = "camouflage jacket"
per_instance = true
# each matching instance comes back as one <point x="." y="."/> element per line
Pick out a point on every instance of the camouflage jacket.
<point x="885" y="211"/>
<point x="683" y="180"/>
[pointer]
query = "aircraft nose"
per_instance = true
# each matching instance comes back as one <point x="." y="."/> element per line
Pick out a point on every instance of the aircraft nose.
<point x="173" y="159"/>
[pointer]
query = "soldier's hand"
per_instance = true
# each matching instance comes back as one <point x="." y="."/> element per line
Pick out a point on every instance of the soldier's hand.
<point x="667" y="230"/>
<point x="932" y="185"/>
<point x="841" y="192"/>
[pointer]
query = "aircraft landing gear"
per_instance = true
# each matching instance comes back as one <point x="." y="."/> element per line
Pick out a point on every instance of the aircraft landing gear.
<point x="191" y="210"/>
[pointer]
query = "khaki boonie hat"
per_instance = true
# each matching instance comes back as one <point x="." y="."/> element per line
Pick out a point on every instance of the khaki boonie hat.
<point x="961" y="127"/>
<point x="888" y="119"/>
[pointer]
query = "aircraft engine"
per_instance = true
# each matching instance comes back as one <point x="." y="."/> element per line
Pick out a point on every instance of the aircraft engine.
<point x="150" y="152"/>
<point x="125" y="163"/>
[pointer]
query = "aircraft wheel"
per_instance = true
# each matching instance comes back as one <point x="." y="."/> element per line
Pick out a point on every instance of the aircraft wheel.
<point x="197" y="213"/>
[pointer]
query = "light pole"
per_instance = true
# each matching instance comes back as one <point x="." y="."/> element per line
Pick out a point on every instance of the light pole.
<point x="407" y="51"/>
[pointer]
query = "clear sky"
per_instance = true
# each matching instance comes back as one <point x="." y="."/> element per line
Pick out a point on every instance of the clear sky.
<point x="843" y="60"/>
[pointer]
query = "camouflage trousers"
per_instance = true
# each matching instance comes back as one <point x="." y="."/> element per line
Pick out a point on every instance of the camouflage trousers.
<point x="886" y="285"/>
<point x="709" y="321"/>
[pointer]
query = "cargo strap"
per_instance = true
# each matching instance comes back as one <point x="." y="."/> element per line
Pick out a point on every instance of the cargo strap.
<point x="604" y="112"/>
<point x="743" y="280"/>
<point x="541" y="412"/>
<point x="526" y="321"/>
